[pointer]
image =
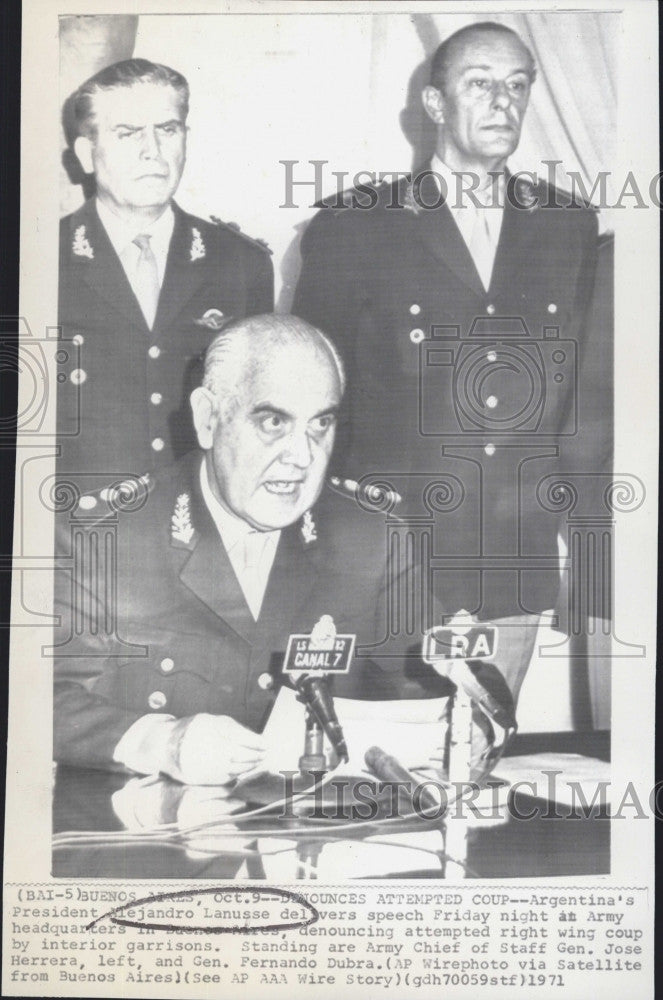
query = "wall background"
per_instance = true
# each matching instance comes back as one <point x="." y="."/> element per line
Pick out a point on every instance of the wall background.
<point x="342" y="88"/>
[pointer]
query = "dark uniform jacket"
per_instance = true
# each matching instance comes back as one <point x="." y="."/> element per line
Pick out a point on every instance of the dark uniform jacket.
<point x="153" y="618"/>
<point x="458" y="397"/>
<point x="123" y="405"/>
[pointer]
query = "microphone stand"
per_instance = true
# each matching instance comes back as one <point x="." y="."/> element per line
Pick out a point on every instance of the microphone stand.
<point x="441" y="647"/>
<point x="313" y="758"/>
<point x="460" y="766"/>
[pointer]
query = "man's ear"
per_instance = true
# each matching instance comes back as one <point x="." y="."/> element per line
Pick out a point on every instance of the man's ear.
<point x="433" y="102"/>
<point x="83" y="150"/>
<point x="203" y="406"/>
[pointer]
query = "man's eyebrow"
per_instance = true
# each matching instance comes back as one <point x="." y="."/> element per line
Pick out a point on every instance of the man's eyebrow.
<point x="330" y="411"/>
<point x="261" y="408"/>
<point x="137" y="128"/>
<point x="488" y="69"/>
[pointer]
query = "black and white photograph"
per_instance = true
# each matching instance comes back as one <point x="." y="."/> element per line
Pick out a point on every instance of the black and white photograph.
<point x="335" y="530"/>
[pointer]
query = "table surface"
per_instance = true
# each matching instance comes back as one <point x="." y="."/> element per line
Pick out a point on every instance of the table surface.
<point x="109" y="825"/>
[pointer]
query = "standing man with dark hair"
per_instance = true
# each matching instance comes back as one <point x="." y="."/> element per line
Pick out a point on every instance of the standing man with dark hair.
<point x="144" y="286"/>
<point x="458" y="299"/>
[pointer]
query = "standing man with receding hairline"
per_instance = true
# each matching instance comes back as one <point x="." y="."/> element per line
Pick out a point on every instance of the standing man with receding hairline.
<point x="458" y="298"/>
<point x="144" y="286"/>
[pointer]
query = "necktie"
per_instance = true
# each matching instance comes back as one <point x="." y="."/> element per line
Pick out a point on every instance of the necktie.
<point x="481" y="246"/>
<point x="146" y="280"/>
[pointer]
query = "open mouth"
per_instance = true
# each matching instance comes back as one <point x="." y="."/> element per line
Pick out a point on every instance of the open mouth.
<point x="282" y="487"/>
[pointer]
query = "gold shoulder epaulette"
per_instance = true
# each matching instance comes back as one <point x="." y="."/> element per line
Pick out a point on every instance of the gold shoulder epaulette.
<point x="344" y="487"/>
<point x="371" y="494"/>
<point x="124" y="495"/>
<point x="235" y="228"/>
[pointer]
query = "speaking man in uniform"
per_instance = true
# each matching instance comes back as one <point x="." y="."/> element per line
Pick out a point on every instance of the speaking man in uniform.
<point x="457" y="298"/>
<point x="177" y="595"/>
<point x="144" y="286"/>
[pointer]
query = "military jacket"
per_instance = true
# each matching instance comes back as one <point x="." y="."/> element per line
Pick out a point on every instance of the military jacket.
<point x="153" y="618"/>
<point x="461" y="399"/>
<point x="123" y="392"/>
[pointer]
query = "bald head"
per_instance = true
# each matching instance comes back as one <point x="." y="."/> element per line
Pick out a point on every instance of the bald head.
<point x="266" y="416"/>
<point x="479" y="91"/>
<point x="483" y="32"/>
<point x="246" y="347"/>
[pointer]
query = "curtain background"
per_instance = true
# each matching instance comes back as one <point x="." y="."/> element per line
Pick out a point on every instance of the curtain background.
<point x="345" y="88"/>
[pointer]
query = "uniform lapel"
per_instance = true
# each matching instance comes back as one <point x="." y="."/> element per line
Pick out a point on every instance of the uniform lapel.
<point x="294" y="573"/>
<point x="440" y="234"/>
<point x="185" y="269"/>
<point x="208" y="573"/>
<point x="519" y="242"/>
<point x="103" y="272"/>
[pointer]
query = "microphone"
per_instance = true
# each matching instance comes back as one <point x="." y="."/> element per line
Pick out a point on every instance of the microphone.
<point x="389" y="769"/>
<point x="315" y="693"/>
<point x="309" y="659"/>
<point x="460" y="651"/>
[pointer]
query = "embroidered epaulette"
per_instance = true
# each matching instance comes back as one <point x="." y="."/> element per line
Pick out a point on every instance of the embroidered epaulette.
<point x="368" y="495"/>
<point x="339" y="202"/>
<point x="234" y="227"/>
<point x="121" y="496"/>
<point x="545" y="195"/>
<point x="367" y="196"/>
<point x="343" y="487"/>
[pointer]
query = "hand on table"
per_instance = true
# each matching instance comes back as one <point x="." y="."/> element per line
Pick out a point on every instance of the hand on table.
<point x="214" y="750"/>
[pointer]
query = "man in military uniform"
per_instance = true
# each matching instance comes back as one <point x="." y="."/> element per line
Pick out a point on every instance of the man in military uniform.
<point x="177" y="593"/>
<point x="144" y="286"/>
<point x="457" y="298"/>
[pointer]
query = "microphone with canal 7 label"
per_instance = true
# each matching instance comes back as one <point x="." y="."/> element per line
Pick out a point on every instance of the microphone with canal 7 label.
<point x="309" y="661"/>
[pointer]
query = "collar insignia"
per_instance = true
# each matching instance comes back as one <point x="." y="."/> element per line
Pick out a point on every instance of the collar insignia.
<point x="81" y="245"/>
<point x="309" y="532"/>
<point x="197" y="246"/>
<point x="409" y="200"/>
<point x="181" y="529"/>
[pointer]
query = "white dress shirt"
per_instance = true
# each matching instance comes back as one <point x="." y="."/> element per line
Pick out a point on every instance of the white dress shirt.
<point x="479" y="225"/>
<point x="146" y="745"/>
<point x="251" y="552"/>
<point x="121" y="234"/>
